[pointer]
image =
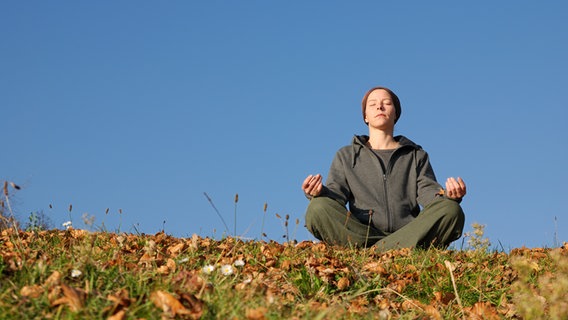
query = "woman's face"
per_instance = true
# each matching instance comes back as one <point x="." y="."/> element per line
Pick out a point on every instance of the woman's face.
<point x="380" y="112"/>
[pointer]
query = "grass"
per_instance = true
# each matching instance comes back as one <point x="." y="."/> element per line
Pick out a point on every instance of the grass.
<point x="68" y="274"/>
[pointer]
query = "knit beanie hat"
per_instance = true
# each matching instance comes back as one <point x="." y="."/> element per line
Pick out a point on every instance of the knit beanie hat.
<point x="394" y="98"/>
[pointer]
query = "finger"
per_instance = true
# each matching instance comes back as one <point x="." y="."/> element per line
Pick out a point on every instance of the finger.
<point x="451" y="188"/>
<point x="450" y="184"/>
<point x="463" y="188"/>
<point x="456" y="188"/>
<point x="461" y="183"/>
<point x="317" y="179"/>
<point x="318" y="188"/>
<point x="306" y="183"/>
<point x="315" y="184"/>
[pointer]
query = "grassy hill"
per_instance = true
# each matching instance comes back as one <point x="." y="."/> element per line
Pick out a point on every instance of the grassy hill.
<point x="65" y="274"/>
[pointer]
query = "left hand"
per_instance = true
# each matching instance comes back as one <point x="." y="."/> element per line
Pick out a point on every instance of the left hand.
<point x="455" y="189"/>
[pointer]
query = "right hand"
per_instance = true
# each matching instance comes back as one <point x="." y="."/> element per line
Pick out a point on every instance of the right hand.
<point x="312" y="185"/>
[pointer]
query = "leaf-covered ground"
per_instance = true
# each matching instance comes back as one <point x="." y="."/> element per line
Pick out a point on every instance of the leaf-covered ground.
<point x="79" y="274"/>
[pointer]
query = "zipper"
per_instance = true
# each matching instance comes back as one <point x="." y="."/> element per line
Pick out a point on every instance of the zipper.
<point x="386" y="174"/>
<point x="385" y="169"/>
<point x="390" y="218"/>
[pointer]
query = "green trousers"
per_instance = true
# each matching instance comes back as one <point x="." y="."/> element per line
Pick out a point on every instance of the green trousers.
<point x="438" y="224"/>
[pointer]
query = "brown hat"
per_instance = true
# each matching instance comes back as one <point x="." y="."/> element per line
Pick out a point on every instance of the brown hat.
<point x="394" y="98"/>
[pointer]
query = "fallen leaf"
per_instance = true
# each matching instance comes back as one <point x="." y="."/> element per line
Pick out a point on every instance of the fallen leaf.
<point x="118" y="316"/>
<point x="343" y="283"/>
<point x="72" y="297"/>
<point x="146" y="259"/>
<point x="163" y="269"/>
<point x="120" y="301"/>
<point x="444" y="298"/>
<point x="483" y="310"/>
<point x="256" y="314"/>
<point x="34" y="291"/>
<point x="195" y="305"/>
<point x="432" y="312"/>
<point x="285" y="265"/>
<point x="168" y="304"/>
<point x="375" y="267"/>
<point x="171" y="265"/>
<point x="176" y="249"/>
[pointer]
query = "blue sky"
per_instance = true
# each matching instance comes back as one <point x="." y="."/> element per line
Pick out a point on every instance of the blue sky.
<point x="142" y="107"/>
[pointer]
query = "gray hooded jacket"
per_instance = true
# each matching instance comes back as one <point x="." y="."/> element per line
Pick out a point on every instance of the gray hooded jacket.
<point x="394" y="195"/>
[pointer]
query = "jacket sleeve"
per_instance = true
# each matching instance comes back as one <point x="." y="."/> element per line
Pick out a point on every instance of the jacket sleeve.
<point x="336" y="186"/>
<point x="428" y="187"/>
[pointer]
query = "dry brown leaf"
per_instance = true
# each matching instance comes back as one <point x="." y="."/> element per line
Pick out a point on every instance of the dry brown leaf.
<point x="483" y="310"/>
<point x="34" y="291"/>
<point x="175" y="250"/>
<point x="53" y="280"/>
<point x="118" y="316"/>
<point x="432" y="312"/>
<point x="168" y="304"/>
<point x="375" y="267"/>
<point x="444" y="298"/>
<point x="256" y="314"/>
<point x="120" y="301"/>
<point x="171" y="265"/>
<point x="285" y="265"/>
<point x="343" y="283"/>
<point x="78" y="233"/>
<point x="412" y="305"/>
<point x="189" y="281"/>
<point x="146" y="259"/>
<point x="163" y="269"/>
<point x="195" y="305"/>
<point x="72" y="297"/>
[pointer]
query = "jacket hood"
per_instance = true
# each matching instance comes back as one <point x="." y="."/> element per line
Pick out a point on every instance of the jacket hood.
<point x="359" y="143"/>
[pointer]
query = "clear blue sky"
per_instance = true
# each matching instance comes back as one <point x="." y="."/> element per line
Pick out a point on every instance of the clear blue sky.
<point x="143" y="106"/>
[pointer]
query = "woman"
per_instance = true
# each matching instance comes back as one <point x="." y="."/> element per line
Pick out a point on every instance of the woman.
<point x="385" y="180"/>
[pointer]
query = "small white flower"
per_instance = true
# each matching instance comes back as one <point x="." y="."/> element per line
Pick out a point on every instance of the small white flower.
<point x="227" y="270"/>
<point x="76" y="273"/>
<point x="208" y="269"/>
<point x="67" y="225"/>
<point x="239" y="263"/>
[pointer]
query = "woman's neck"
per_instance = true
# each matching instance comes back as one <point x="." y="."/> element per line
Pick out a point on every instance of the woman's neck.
<point x="381" y="140"/>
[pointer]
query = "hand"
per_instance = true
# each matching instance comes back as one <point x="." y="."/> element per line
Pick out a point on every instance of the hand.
<point x="312" y="185"/>
<point x="455" y="189"/>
